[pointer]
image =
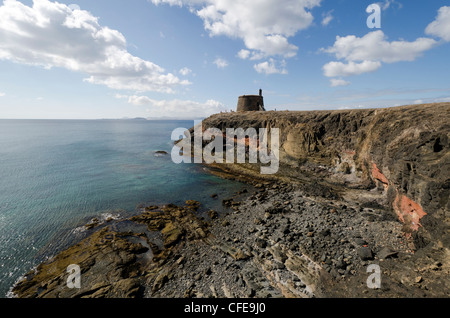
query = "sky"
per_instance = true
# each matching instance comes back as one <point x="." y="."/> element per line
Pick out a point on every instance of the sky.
<point x="184" y="59"/>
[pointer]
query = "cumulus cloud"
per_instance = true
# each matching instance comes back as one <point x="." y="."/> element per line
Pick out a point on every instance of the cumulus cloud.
<point x="51" y="34"/>
<point x="335" y="82"/>
<point x="244" y="54"/>
<point x="264" y="26"/>
<point x="251" y="55"/>
<point x="375" y="47"/>
<point x="220" y="63"/>
<point x="185" y="71"/>
<point x="269" y="67"/>
<point x="139" y="100"/>
<point x="440" y="27"/>
<point x="182" y="108"/>
<point x="365" y="54"/>
<point x="334" y="69"/>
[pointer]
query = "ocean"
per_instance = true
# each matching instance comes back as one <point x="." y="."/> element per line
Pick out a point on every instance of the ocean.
<point x="56" y="175"/>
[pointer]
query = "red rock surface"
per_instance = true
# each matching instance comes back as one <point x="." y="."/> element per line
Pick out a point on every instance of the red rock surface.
<point x="378" y="175"/>
<point x="408" y="211"/>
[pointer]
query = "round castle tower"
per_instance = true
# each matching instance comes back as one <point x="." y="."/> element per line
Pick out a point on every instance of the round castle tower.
<point x="251" y="103"/>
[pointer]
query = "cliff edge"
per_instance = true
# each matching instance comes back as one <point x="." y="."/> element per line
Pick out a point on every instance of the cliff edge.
<point x="396" y="157"/>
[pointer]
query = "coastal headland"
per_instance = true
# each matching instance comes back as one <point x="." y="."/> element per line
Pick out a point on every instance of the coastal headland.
<point x="359" y="207"/>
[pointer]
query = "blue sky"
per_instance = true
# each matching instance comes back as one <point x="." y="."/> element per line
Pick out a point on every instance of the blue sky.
<point x="191" y="58"/>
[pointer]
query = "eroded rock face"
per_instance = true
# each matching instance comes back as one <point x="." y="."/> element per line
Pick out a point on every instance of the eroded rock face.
<point x="401" y="151"/>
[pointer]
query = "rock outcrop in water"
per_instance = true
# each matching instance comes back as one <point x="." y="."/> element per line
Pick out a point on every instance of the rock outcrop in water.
<point x="117" y="264"/>
<point x="109" y="268"/>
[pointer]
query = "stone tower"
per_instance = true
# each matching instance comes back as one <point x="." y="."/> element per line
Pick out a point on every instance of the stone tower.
<point x="251" y="103"/>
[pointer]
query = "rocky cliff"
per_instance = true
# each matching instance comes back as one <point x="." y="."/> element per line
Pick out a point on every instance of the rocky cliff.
<point x="396" y="157"/>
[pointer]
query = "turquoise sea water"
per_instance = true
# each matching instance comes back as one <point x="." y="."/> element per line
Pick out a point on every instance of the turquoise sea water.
<point x="56" y="175"/>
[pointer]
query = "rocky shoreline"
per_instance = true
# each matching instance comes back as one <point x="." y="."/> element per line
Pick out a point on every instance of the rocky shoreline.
<point x="278" y="241"/>
<point x="293" y="245"/>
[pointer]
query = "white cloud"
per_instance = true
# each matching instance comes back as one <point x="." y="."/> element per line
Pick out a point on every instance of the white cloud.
<point x="243" y="54"/>
<point x="264" y="26"/>
<point x="252" y="55"/>
<point x="440" y="27"/>
<point x="181" y="108"/>
<point x="2" y="94"/>
<point x="185" y="71"/>
<point x="139" y="100"/>
<point x="50" y="34"/>
<point x="327" y="18"/>
<point x="335" y="82"/>
<point x="269" y="67"/>
<point x="373" y="46"/>
<point x="365" y="54"/>
<point x="334" y="69"/>
<point x="220" y="63"/>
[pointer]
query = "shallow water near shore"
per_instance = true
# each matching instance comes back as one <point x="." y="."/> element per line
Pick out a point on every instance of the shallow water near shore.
<point x="56" y="175"/>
